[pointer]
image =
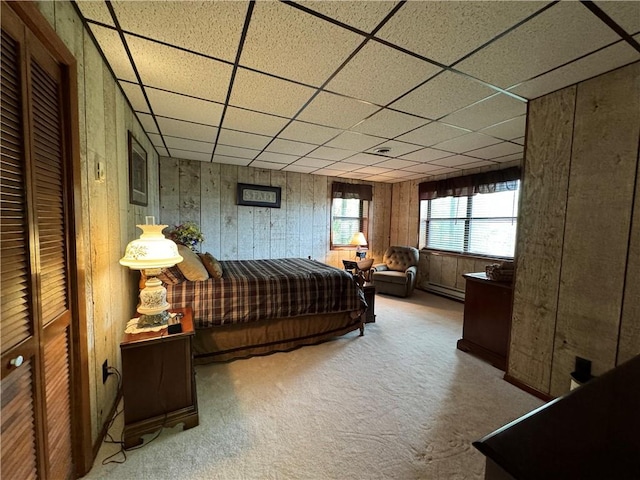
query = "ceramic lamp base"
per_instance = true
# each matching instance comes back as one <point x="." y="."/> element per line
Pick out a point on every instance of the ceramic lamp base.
<point x="155" y="320"/>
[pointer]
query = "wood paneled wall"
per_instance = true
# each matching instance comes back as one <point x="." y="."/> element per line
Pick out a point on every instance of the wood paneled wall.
<point x="576" y="289"/>
<point x="206" y="194"/>
<point x="108" y="218"/>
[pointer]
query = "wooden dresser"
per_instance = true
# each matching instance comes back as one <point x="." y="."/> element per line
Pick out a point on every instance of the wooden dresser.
<point x="487" y="319"/>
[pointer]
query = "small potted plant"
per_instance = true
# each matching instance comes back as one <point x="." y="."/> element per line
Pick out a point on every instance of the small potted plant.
<point x="187" y="234"/>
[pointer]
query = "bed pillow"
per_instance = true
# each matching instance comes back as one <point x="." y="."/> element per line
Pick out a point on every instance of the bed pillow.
<point x="191" y="266"/>
<point x="211" y="264"/>
<point x="171" y="276"/>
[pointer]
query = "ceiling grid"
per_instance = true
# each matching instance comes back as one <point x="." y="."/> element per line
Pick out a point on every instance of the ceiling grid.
<point x="385" y="91"/>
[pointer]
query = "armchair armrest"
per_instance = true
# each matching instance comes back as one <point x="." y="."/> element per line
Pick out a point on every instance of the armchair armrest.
<point x="413" y="270"/>
<point x="379" y="267"/>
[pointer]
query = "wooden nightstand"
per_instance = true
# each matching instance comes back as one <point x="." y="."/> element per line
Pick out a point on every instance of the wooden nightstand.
<point x="370" y="296"/>
<point x="158" y="380"/>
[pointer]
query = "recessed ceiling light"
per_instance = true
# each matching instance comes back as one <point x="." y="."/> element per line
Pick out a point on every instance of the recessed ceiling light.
<point x="382" y="150"/>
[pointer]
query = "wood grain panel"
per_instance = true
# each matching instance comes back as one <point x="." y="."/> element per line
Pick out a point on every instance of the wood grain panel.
<point x="541" y="222"/>
<point x="293" y="234"/>
<point x="229" y="212"/>
<point x="262" y="219"/>
<point x="246" y="218"/>
<point x="169" y="191"/>
<point x="18" y="428"/>
<point x="321" y="216"/>
<point x="278" y="218"/>
<point x="306" y="217"/>
<point x="210" y="207"/>
<point x="601" y="189"/>
<point x="189" y="178"/>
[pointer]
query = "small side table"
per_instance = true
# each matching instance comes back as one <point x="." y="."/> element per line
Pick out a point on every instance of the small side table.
<point x="370" y="296"/>
<point x="158" y="380"/>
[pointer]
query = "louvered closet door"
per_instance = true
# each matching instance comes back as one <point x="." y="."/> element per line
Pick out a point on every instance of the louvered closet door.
<point x="36" y="413"/>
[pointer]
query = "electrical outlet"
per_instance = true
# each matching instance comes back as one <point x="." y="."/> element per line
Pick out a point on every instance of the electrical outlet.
<point x="105" y="371"/>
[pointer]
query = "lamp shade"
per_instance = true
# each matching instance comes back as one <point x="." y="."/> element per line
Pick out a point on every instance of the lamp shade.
<point x="151" y="250"/>
<point x="358" y="239"/>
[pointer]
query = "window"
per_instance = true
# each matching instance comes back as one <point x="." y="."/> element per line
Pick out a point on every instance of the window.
<point x="483" y="224"/>
<point x="349" y="212"/>
<point x="348" y="216"/>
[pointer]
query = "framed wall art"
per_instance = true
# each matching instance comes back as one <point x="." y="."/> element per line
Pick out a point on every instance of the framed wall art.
<point x="258" y="195"/>
<point x="138" y="184"/>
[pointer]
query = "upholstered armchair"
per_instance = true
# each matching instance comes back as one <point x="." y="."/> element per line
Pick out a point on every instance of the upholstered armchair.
<point x="397" y="274"/>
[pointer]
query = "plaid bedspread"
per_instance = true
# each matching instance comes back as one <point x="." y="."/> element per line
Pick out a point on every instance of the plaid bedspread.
<point x="251" y="290"/>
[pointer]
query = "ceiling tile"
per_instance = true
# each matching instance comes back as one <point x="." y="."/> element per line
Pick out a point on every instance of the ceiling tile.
<point x="228" y="151"/>
<point x="156" y="139"/>
<point x="509" y="158"/>
<point x="299" y="169"/>
<point x="443" y="94"/>
<point x="625" y="14"/>
<point x="179" y="128"/>
<point x="389" y="124"/>
<point x="253" y="122"/>
<point x="212" y="28"/>
<point x="267" y="165"/>
<point x="366" y="159"/>
<point x="373" y="170"/>
<point x="446" y="31"/>
<point x="263" y="93"/>
<point x="231" y="160"/>
<point x="345" y="167"/>
<point x="329" y="172"/>
<point x="206" y="78"/>
<point x="454" y="161"/>
<point x="191" y="145"/>
<point x="467" y="142"/>
<point x="361" y="15"/>
<point x="242" y="139"/>
<point x="354" y="141"/>
<point x="114" y="51"/>
<point x="306" y="132"/>
<point x="135" y="96"/>
<point x="313" y="162"/>
<point x="498" y="150"/>
<point x="329" y="153"/>
<point x="432" y="133"/>
<point x="97" y="11"/>
<point x="307" y="37"/>
<point x="184" y="108"/>
<point x="336" y="111"/>
<point x="519" y="140"/>
<point x="147" y="122"/>
<point x="397" y="148"/>
<point x="508" y="130"/>
<point x="562" y="33"/>
<point x="380" y="74"/>
<point x="426" y="155"/>
<point x="478" y="164"/>
<point x="287" y="146"/>
<point x="395" y="163"/>
<point x="423" y="168"/>
<point x="277" y="157"/>
<point x="163" y="152"/>
<point x="187" y="155"/>
<point x="488" y="112"/>
<point x="602" y="61"/>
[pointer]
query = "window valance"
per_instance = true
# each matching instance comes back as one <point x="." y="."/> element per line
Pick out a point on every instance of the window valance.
<point x="355" y="191"/>
<point x="485" y="182"/>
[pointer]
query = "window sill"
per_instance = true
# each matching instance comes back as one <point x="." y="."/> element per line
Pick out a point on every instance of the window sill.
<point x="465" y="255"/>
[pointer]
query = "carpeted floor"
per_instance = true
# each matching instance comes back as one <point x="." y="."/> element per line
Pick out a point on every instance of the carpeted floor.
<point x="399" y="403"/>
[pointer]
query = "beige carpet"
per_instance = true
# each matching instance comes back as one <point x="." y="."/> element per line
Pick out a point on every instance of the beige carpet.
<point x="399" y="403"/>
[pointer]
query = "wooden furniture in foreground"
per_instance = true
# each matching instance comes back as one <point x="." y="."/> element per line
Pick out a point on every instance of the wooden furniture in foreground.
<point x="487" y="319"/>
<point x="589" y="433"/>
<point x="158" y="380"/>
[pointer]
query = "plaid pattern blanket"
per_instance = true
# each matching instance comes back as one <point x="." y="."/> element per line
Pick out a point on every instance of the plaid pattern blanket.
<point x="251" y="290"/>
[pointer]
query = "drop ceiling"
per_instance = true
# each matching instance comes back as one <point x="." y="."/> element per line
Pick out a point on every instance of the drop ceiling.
<point x="375" y="90"/>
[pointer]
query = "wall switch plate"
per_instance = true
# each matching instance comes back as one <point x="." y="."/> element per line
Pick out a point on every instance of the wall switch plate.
<point x="100" y="171"/>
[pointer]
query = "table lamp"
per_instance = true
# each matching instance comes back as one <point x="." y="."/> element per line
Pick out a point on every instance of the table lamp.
<point x="359" y="240"/>
<point x="151" y="252"/>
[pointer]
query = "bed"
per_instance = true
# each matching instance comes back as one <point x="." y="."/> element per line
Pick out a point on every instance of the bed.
<point x="263" y="306"/>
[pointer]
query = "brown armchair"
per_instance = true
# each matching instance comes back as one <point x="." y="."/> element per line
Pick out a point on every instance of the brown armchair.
<point x="397" y="274"/>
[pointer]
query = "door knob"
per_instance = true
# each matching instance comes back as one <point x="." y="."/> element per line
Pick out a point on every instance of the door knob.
<point x="16" y="362"/>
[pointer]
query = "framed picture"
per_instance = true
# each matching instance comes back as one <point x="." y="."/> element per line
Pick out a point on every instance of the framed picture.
<point x="258" y="195"/>
<point x="138" y="188"/>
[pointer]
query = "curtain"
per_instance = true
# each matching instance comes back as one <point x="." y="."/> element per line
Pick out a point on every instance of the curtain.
<point x="486" y="182"/>
<point x="352" y="191"/>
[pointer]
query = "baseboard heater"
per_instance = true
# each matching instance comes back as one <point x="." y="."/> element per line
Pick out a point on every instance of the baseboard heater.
<point x="444" y="290"/>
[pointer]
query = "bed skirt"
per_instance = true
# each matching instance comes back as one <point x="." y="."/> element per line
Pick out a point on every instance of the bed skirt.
<point x="230" y="342"/>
